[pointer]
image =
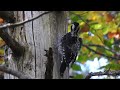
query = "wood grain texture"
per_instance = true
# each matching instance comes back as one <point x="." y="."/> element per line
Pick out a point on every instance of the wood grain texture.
<point x="36" y="36"/>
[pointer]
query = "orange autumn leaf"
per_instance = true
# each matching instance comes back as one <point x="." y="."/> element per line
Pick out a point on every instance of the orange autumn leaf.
<point x="109" y="17"/>
<point x="111" y="35"/>
<point x="118" y="61"/>
<point x="1" y="21"/>
<point x="115" y="35"/>
<point x="85" y="28"/>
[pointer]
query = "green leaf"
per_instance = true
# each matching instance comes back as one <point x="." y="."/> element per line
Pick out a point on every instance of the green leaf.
<point x="112" y="66"/>
<point x="82" y="58"/>
<point x="108" y="53"/>
<point x="74" y="18"/>
<point x="108" y="43"/>
<point x="105" y="30"/>
<point x="96" y="40"/>
<point x="111" y="40"/>
<point x="99" y="34"/>
<point x="92" y="56"/>
<point x="116" y="48"/>
<point x="79" y="76"/>
<point x="76" y="67"/>
<point x="97" y="26"/>
<point x="79" y="12"/>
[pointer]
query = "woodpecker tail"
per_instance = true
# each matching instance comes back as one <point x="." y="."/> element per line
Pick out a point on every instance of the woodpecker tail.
<point x="62" y="68"/>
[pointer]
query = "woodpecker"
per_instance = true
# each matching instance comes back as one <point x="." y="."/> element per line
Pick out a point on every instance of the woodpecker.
<point x="70" y="46"/>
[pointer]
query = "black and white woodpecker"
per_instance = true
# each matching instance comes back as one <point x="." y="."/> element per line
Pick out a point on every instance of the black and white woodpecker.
<point x="70" y="46"/>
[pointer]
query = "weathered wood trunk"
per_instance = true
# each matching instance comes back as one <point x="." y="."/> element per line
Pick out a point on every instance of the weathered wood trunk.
<point x="36" y="36"/>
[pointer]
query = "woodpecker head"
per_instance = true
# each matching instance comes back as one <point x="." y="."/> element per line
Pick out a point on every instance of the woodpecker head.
<point x="75" y="28"/>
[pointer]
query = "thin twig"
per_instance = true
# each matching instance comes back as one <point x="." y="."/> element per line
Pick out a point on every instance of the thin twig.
<point x="112" y="73"/>
<point x="100" y="46"/>
<point x="100" y="53"/>
<point x="22" y="22"/>
<point x="13" y="72"/>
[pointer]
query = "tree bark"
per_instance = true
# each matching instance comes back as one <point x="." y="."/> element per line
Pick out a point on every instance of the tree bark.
<point x="36" y="36"/>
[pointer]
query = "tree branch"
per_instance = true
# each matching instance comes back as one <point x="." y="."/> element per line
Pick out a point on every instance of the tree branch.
<point x="15" y="73"/>
<point x="101" y="47"/>
<point x="112" y="73"/>
<point x="101" y="53"/>
<point x="16" y="48"/>
<point x="22" y="22"/>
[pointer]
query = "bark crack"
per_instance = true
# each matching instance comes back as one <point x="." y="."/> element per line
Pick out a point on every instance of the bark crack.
<point x="34" y="45"/>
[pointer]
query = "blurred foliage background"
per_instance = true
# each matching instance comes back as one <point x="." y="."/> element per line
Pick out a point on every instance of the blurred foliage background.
<point x="100" y="31"/>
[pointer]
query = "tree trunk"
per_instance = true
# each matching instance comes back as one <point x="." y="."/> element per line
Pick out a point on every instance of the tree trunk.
<point x="36" y="36"/>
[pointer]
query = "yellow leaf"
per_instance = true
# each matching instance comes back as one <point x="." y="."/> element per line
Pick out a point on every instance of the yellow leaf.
<point x="93" y="15"/>
<point x="2" y="43"/>
<point x="98" y="26"/>
<point x="2" y="60"/>
<point x="2" y="52"/>
<point x="69" y="28"/>
<point x="94" y="18"/>
<point x="99" y="34"/>
<point x="113" y="31"/>
<point x="96" y="40"/>
<point x="84" y="35"/>
<point x="82" y="23"/>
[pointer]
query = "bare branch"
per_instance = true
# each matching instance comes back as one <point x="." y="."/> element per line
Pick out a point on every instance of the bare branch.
<point x="22" y="22"/>
<point x="100" y="53"/>
<point x="17" y="49"/>
<point x="100" y="46"/>
<point x="15" y="73"/>
<point x="112" y="73"/>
